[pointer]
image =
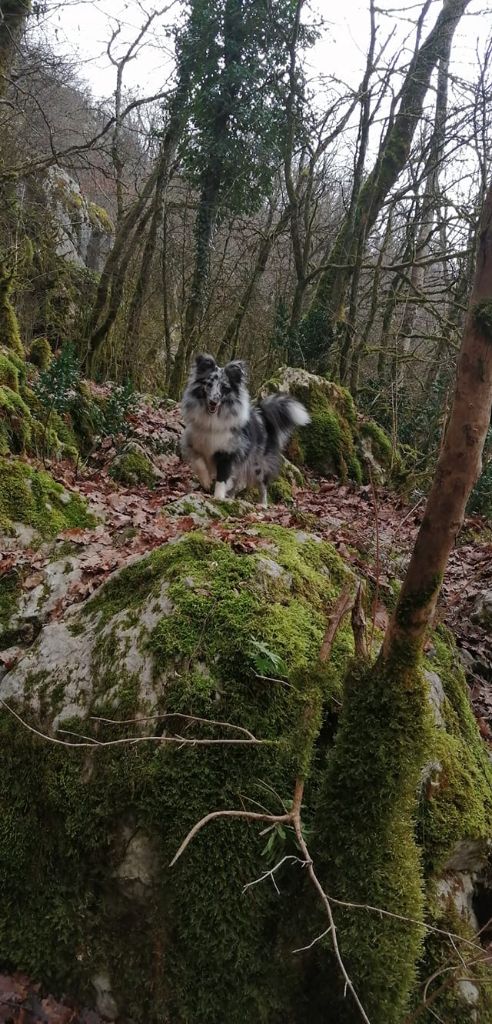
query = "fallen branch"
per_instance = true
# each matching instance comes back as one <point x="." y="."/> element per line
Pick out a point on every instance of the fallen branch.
<point x="89" y="741"/>
<point x="274" y="819"/>
<point x="359" y="625"/>
<point x="341" y="607"/>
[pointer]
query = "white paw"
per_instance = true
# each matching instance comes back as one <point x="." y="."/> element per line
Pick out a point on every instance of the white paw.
<point x="220" y="491"/>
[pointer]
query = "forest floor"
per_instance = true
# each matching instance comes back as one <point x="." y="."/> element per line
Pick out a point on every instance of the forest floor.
<point x="373" y="529"/>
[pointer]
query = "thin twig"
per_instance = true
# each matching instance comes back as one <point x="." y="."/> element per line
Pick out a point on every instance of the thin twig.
<point x="359" y="624"/>
<point x="378" y="565"/>
<point x="172" y="714"/>
<point x="340" y="608"/>
<point x="280" y="819"/>
<point x="131" y="740"/>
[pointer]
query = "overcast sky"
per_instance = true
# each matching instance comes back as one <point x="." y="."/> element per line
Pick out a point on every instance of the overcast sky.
<point x="82" y="29"/>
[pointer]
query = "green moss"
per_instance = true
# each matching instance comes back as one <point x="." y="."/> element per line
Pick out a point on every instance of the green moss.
<point x="203" y="664"/>
<point x="9" y="373"/>
<point x="482" y="316"/>
<point x="132" y="468"/>
<point x="35" y="499"/>
<point x="40" y="353"/>
<point x="459" y="803"/>
<point x="280" y="492"/>
<point x="366" y="851"/>
<point x="100" y="218"/>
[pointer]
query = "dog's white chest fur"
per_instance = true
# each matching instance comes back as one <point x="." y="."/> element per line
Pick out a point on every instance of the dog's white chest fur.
<point x="209" y="435"/>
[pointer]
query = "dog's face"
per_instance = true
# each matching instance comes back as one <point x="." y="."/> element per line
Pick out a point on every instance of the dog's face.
<point x="218" y="388"/>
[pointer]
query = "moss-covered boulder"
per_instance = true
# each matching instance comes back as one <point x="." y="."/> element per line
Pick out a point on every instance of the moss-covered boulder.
<point x="39" y="353"/>
<point x="33" y="498"/>
<point x="224" y="625"/>
<point x="404" y="822"/>
<point x="338" y="440"/>
<point x="26" y="424"/>
<point x="132" y="466"/>
<point x="197" y="628"/>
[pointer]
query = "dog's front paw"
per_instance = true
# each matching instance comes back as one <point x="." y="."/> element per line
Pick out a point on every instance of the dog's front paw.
<point x="220" y="491"/>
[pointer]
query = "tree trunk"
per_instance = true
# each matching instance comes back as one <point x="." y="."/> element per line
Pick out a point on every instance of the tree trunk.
<point x="228" y="344"/>
<point x="212" y="182"/>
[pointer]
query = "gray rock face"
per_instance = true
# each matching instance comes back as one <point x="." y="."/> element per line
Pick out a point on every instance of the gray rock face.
<point x="436" y="696"/>
<point x="482" y="612"/>
<point x="78" y="652"/>
<point x="85" y="230"/>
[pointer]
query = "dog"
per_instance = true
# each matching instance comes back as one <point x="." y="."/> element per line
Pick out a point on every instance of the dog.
<point x="228" y="439"/>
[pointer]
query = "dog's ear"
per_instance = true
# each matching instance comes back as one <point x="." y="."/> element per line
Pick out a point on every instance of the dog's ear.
<point x="236" y="372"/>
<point x="204" y="363"/>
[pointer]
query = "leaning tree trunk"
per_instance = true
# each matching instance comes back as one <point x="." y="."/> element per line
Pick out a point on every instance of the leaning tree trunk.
<point x="367" y="852"/>
<point x="320" y="325"/>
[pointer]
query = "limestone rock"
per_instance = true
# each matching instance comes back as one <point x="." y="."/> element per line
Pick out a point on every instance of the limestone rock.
<point x="86" y="230"/>
<point x="338" y="441"/>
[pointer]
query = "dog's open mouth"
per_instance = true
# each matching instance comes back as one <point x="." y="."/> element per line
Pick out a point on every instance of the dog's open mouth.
<point x="213" y="408"/>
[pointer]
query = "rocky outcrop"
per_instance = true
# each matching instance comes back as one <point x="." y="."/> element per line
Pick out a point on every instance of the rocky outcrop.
<point x="213" y="636"/>
<point x="339" y="441"/>
<point x="86" y="230"/>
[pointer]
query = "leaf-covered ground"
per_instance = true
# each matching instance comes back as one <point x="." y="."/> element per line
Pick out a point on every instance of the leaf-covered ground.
<point x="373" y="530"/>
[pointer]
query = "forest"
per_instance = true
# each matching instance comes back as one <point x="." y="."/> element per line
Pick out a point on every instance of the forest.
<point x="245" y="745"/>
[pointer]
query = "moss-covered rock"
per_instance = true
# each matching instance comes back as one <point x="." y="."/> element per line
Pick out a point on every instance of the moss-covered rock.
<point x="15" y="422"/>
<point x="184" y="631"/>
<point x="133" y="467"/>
<point x="35" y="499"/>
<point x="40" y="353"/>
<point x="395" y="819"/>
<point x="338" y="440"/>
<point x="9" y="371"/>
<point x="9" y="325"/>
<point x="26" y="424"/>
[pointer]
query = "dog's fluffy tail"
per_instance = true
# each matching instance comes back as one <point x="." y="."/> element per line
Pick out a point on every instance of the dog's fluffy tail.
<point x="282" y="414"/>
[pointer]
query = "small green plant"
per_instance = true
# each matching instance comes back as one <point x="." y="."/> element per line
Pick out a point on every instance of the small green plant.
<point x="266" y="662"/>
<point x="56" y="387"/>
<point x="114" y="414"/>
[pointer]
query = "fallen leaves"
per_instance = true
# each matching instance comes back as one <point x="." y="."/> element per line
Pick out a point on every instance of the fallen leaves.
<point x="21" y="1002"/>
<point x="134" y="521"/>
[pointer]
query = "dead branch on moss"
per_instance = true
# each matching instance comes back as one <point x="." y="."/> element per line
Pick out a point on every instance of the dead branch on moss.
<point x="181" y="741"/>
<point x="359" y="624"/>
<point x="293" y="817"/>
<point x="340" y="608"/>
<point x="274" y="819"/>
<point x="174" y="714"/>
